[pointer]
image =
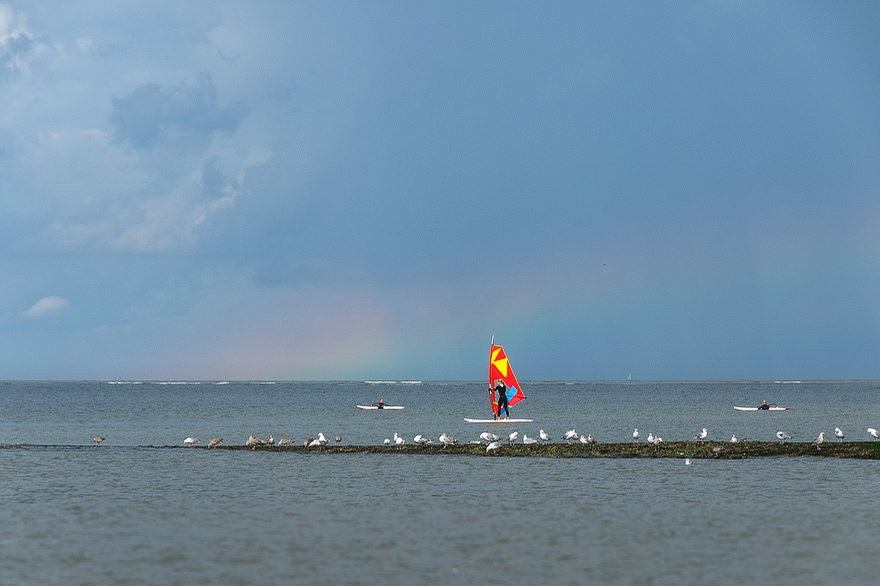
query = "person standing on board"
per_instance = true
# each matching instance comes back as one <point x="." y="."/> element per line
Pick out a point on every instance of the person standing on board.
<point x="501" y="389"/>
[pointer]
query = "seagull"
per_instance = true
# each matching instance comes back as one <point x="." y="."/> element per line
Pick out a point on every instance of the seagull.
<point x="702" y="435"/>
<point x="636" y="435"/>
<point x="338" y="438"/>
<point x="190" y="441"/>
<point x="398" y="441"/>
<point x="252" y="442"/>
<point x="687" y="461"/>
<point x="307" y="441"/>
<point x="214" y="442"/>
<point x="447" y="440"/>
<point x="818" y="441"/>
<point x="321" y="438"/>
<point x="543" y="435"/>
<point x="422" y="440"/>
<point x="285" y="441"/>
<point x="782" y="436"/>
<point x="315" y="443"/>
<point x="387" y="442"/>
<point x="489" y="437"/>
<point x="496" y="445"/>
<point x="512" y="437"/>
<point x="650" y="438"/>
<point x="583" y="439"/>
<point x="271" y="440"/>
<point x="733" y="439"/>
<point x="591" y="440"/>
<point x="838" y="434"/>
<point x="871" y="431"/>
<point x="570" y="435"/>
<point x="98" y="439"/>
<point x="529" y="440"/>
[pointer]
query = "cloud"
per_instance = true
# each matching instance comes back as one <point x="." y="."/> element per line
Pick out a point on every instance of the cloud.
<point x="150" y="113"/>
<point x="47" y="306"/>
<point x="16" y="43"/>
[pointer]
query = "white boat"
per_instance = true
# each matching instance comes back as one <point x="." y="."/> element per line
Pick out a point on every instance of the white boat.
<point x="376" y="407"/>
<point x="770" y="408"/>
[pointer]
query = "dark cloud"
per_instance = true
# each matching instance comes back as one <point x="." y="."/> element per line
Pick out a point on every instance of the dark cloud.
<point x="150" y="112"/>
<point x="12" y="53"/>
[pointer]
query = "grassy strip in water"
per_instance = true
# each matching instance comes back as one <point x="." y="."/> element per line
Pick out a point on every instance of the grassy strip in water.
<point x="689" y="449"/>
<point x="719" y="450"/>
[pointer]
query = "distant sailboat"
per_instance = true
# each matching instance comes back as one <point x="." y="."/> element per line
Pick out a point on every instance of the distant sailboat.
<point x="630" y="377"/>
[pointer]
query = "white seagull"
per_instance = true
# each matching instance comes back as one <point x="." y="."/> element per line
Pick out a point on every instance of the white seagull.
<point x="687" y="461"/>
<point x="584" y="439"/>
<point x="190" y="441"/>
<point x="838" y="434"/>
<point x="529" y="440"/>
<point x="321" y="438"/>
<point x="570" y="435"/>
<point x="702" y="435"/>
<point x="873" y="433"/>
<point x="496" y="445"/>
<point x="650" y="438"/>
<point x="512" y="437"/>
<point x="447" y="440"/>
<point x="315" y="443"/>
<point x="782" y="436"/>
<point x="98" y="439"/>
<point x="733" y="439"/>
<point x="489" y="437"/>
<point x="542" y="434"/>
<point x="398" y="441"/>
<point x="636" y="435"/>
<point x="387" y="441"/>
<point x="818" y="441"/>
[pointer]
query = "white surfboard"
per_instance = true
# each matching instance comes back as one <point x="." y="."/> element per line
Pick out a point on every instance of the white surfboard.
<point x="377" y="408"/>
<point x="471" y="420"/>
<point x="772" y="408"/>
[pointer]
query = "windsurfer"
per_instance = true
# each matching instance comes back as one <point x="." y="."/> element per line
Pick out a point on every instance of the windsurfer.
<point x="501" y="389"/>
<point x="763" y="406"/>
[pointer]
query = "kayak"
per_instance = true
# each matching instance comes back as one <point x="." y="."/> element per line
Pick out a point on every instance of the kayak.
<point x="772" y="408"/>
<point x="377" y="408"/>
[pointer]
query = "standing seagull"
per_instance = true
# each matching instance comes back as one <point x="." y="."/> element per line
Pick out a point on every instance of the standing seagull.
<point x="702" y="435"/>
<point x="570" y="435"/>
<point x="733" y="439"/>
<point x="782" y="436"/>
<point x="838" y="434"/>
<point x="496" y="445"/>
<point x="98" y="439"/>
<point x="512" y="437"/>
<point x="636" y="435"/>
<point x="190" y="441"/>
<point x="871" y="431"/>
<point x="818" y="441"/>
<point x="213" y="443"/>
<point x="544" y="437"/>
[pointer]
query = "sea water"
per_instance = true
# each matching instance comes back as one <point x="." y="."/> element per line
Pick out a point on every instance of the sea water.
<point x="129" y="513"/>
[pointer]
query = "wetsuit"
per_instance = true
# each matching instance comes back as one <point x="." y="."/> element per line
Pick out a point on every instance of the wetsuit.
<point x="502" y="400"/>
<point x="763" y="407"/>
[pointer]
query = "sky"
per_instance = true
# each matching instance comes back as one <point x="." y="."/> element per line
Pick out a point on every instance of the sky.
<point x="211" y="190"/>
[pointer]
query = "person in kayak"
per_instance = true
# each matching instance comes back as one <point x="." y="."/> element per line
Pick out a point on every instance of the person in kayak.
<point x="763" y="406"/>
<point x="380" y="404"/>
<point x="501" y="389"/>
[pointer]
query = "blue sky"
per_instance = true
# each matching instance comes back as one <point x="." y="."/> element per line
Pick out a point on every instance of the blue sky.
<point x="361" y="190"/>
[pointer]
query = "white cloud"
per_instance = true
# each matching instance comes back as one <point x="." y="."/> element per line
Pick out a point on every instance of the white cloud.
<point x="47" y="306"/>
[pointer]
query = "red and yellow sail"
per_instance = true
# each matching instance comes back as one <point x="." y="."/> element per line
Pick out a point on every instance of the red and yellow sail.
<point x="499" y="369"/>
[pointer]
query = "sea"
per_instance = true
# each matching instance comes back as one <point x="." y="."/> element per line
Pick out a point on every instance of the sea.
<point x="132" y="511"/>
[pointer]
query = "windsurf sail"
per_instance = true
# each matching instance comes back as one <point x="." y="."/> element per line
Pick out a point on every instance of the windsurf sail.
<point x="499" y="369"/>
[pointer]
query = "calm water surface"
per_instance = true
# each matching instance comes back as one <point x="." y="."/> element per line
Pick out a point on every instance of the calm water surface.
<point x="128" y="514"/>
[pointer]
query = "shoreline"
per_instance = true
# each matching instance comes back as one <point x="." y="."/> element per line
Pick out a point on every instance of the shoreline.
<point x="863" y="450"/>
